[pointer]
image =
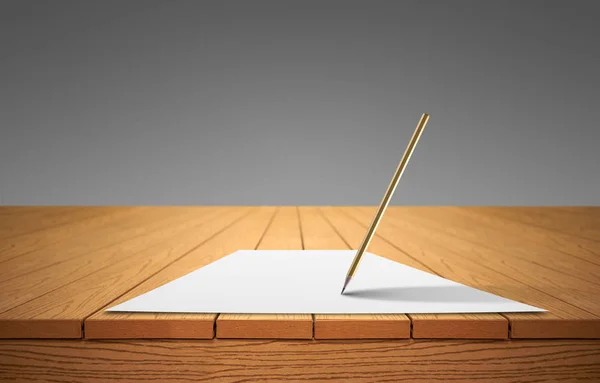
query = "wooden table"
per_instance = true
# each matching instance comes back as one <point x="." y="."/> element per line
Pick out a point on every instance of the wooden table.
<point x="60" y="267"/>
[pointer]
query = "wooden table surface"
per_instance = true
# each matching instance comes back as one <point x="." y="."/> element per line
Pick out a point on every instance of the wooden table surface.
<point x="60" y="267"/>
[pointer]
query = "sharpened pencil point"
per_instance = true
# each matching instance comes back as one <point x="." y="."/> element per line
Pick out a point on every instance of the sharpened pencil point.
<point x="345" y="284"/>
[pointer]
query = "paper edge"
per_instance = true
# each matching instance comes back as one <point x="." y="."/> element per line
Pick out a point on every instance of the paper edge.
<point x="533" y="309"/>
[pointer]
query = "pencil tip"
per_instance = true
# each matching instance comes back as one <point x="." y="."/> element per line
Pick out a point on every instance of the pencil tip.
<point x="345" y="284"/>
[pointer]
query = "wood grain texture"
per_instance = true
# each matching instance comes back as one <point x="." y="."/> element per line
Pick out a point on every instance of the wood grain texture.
<point x="151" y="326"/>
<point x="571" y="279"/>
<point x="66" y="264"/>
<point x="12" y="327"/>
<point x="591" y="214"/>
<point x="18" y="211"/>
<point x="21" y="221"/>
<point x="70" y="303"/>
<point x="551" y="219"/>
<point x="526" y="361"/>
<point x="49" y="254"/>
<point x="283" y="233"/>
<point x="362" y="326"/>
<point x="519" y="258"/>
<point x="28" y="243"/>
<point x="476" y="326"/>
<point x="581" y="251"/>
<point x="485" y="269"/>
<point x="84" y="259"/>
<point x="550" y="326"/>
<point x="265" y="326"/>
<point x="319" y="234"/>
<point x="532" y="247"/>
<point x="244" y="233"/>
<point x="459" y="326"/>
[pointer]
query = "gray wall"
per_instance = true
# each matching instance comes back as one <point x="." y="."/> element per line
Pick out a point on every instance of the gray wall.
<point x="303" y="102"/>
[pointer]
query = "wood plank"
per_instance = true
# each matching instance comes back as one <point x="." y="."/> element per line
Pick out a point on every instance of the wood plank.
<point x="113" y="230"/>
<point x="451" y="259"/>
<point x="362" y="326"/>
<point x="474" y="326"/>
<point x="421" y="244"/>
<point x="317" y="233"/>
<point x="244" y="233"/>
<point x="495" y="239"/>
<point x="527" y="252"/>
<point x="16" y="246"/>
<point x="20" y="214"/>
<point x="352" y="231"/>
<point x="586" y="252"/>
<point x="591" y="213"/>
<point x="547" y="218"/>
<point x="264" y="326"/>
<point x="66" y="307"/>
<point x="81" y="263"/>
<point x="18" y="210"/>
<point x="152" y="326"/>
<point x="565" y="277"/>
<point x="282" y="233"/>
<point x="14" y="225"/>
<point x="588" y="216"/>
<point x="459" y="326"/>
<point x="548" y="326"/>
<point x="528" y="361"/>
<point x="320" y="235"/>
<point x="14" y="216"/>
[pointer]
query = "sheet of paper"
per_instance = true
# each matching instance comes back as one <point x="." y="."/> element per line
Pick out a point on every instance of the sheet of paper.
<point x="310" y="281"/>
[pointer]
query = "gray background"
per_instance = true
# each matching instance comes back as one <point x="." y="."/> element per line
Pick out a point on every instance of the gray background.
<point x="303" y="102"/>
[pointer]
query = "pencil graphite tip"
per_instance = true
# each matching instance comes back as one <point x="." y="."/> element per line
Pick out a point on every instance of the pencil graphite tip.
<point x="345" y="284"/>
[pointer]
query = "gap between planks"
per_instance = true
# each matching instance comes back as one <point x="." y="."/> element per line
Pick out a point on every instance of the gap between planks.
<point x="304" y="228"/>
<point x="244" y="233"/>
<point x="282" y="233"/>
<point x="442" y="326"/>
<point x="573" y="266"/>
<point x="59" y="313"/>
<point x="321" y="235"/>
<point x="488" y="269"/>
<point x="316" y="230"/>
<point x="71" y="261"/>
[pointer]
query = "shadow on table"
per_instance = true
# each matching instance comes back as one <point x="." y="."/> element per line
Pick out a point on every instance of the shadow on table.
<point x="425" y="294"/>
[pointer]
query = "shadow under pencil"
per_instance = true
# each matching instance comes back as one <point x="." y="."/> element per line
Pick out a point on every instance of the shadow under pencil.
<point x="447" y="294"/>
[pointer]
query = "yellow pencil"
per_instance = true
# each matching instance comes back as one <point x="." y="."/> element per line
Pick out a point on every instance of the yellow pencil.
<point x="386" y="198"/>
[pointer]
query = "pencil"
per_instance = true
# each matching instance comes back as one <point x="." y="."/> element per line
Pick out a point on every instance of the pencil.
<point x="386" y="198"/>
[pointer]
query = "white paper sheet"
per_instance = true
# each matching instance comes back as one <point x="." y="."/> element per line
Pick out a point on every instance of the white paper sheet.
<point x="310" y="281"/>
